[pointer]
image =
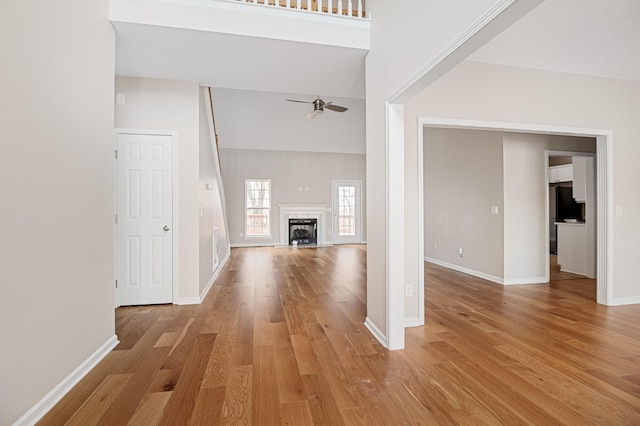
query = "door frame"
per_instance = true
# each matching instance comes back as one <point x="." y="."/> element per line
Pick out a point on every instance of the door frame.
<point x="334" y="231"/>
<point x="604" y="185"/>
<point x="554" y="153"/>
<point x="174" y="207"/>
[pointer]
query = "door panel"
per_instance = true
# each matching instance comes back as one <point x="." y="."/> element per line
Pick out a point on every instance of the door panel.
<point x="347" y="217"/>
<point x="145" y="219"/>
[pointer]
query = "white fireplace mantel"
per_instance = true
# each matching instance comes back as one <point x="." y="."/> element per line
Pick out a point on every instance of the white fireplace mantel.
<point x="303" y="211"/>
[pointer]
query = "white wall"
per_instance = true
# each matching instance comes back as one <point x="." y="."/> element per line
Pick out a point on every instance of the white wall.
<point x="288" y="171"/>
<point x="478" y="91"/>
<point x="172" y="105"/>
<point x="56" y="173"/>
<point x="406" y="36"/>
<point x="525" y="213"/>
<point x="212" y="213"/>
<point x="246" y="20"/>
<point x="463" y="178"/>
<point x="266" y="121"/>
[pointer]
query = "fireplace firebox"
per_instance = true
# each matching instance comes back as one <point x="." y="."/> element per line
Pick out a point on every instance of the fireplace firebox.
<point x="303" y="231"/>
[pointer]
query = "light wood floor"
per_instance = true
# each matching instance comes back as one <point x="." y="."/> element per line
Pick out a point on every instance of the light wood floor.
<point x="280" y="341"/>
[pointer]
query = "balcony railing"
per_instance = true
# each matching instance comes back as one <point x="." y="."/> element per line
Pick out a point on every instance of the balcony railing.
<point x="352" y="8"/>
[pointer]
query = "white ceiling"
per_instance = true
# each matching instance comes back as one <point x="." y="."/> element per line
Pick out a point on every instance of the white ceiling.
<point x="591" y="37"/>
<point x="238" y="62"/>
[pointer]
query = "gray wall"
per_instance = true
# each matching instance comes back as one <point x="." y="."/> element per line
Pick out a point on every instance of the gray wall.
<point x="56" y="170"/>
<point x="525" y="214"/>
<point x="463" y="178"/>
<point x="288" y="171"/>
<point x="468" y="171"/>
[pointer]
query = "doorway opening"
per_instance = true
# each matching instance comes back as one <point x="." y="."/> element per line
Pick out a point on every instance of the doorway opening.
<point x="603" y="172"/>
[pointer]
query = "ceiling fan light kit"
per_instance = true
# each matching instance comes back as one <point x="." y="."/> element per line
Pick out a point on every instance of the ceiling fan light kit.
<point x="319" y="106"/>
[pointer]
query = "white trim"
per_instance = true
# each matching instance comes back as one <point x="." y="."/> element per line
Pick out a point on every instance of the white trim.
<point x="526" y="280"/>
<point x="420" y="160"/>
<point x="604" y="175"/>
<point x="43" y="406"/>
<point x="195" y="300"/>
<point x="395" y="253"/>
<point x="414" y="322"/>
<point x="487" y="277"/>
<point x="257" y="9"/>
<point x="375" y="331"/>
<point x="302" y="211"/>
<point x="620" y="301"/>
<point x="413" y="84"/>
<point x="334" y="209"/>
<point x="242" y="245"/>
<point x="216" y="158"/>
<point x="246" y="236"/>
<point x="174" y="202"/>
<point x="215" y="276"/>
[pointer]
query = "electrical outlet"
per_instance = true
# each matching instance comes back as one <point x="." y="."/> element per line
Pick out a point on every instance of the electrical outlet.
<point x="435" y="246"/>
<point x="241" y="235"/>
<point x="460" y="251"/>
<point x="408" y="290"/>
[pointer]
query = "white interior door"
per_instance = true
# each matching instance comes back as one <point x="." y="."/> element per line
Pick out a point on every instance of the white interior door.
<point x="144" y="219"/>
<point x="347" y="217"/>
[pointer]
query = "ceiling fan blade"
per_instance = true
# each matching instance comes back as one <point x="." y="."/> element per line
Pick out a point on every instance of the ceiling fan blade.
<point x="302" y="102"/>
<point x="336" y="108"/>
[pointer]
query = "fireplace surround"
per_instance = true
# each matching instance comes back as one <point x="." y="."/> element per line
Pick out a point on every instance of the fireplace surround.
<point x="303" y="211"/>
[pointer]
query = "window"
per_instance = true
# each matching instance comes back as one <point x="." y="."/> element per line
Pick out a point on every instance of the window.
<point x="346" y="210"/>
<point x="258" y="207"/>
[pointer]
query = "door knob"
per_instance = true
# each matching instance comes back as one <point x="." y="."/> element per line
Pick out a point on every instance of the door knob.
<point x="166" y="228"/>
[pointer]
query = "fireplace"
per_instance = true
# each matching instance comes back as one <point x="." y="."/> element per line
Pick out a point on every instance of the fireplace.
<point x="303" y="231"/>
<point x="318" y="212"/>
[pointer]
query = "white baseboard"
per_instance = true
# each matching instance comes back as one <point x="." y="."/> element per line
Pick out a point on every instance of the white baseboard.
<point x="528" y="280"/>
<point x="467" y="271"/>
<point x="620" y="301"/>
<point x="204" y="292"/>
<point x="187" y="301"/>
<point x="270" y="244"/>
<point x="413" y="322"/>
<point x="376" y="332"/>
<point x="43" y="406"/>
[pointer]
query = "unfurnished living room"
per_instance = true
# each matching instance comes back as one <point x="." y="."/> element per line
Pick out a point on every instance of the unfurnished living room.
<point x="320" y="212"/>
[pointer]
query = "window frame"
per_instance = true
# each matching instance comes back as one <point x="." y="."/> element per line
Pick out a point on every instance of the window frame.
<point x="246" y="210"/>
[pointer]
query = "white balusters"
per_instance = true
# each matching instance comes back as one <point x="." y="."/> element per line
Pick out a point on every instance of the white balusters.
<point x="341" y="9"/>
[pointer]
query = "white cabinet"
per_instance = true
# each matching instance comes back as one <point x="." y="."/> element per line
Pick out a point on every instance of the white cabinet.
<point x="562" y="173"/>
<point x="572" y="247"/>
<point x="580" y="179"/>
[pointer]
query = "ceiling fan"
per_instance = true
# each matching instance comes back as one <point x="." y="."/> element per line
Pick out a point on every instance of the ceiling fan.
<point x="318" y="107"/>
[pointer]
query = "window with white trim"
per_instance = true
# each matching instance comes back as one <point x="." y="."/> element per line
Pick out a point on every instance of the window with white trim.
<point x="258" y="207"/>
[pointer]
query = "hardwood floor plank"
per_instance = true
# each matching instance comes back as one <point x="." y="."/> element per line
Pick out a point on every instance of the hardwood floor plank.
<point x="237" y="405"/>
<point x="280" y="340"/>
<point x="183" y="398"/>
<point x="295" y="414"/>
<point x="265" y="381"/>
<point x="150" y="409"/>
<point x="99" y="402"/>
